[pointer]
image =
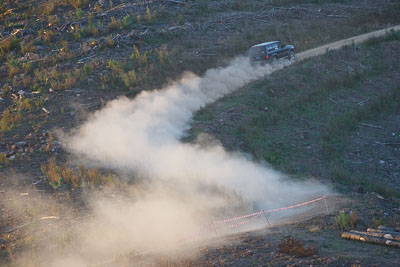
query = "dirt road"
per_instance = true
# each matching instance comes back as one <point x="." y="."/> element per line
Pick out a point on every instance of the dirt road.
<point x="349" y="41"/>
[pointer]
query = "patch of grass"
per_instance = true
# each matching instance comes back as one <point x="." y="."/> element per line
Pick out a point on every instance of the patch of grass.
<point x="340" y="127"/>
<point x="204" y="115"/>
<point x="273" y="157"/>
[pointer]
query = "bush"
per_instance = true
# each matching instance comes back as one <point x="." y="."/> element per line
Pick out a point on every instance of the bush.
<point x="343" y="220"/>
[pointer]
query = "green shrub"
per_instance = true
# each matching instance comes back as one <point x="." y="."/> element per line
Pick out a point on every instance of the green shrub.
<point x="343" y="220"/>
<point x="79" y="13"/>
<point x="87" y="69"/>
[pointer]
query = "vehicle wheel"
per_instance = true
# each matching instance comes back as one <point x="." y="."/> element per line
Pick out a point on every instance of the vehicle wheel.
<point x="274" y="58"/>
<point x="292" y="55"/>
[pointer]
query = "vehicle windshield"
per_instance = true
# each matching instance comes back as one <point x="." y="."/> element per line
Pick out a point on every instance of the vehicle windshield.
<point x="256" y="51"/>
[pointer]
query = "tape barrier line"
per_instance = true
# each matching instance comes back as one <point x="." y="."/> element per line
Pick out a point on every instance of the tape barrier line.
<point x="268" y="211"/>
<point x="239" y="218"/>
<point x="211" y="226"/>
<point x="241" y="223"/>
<point x="297" y="205"/>
<point x="201" y="232"/>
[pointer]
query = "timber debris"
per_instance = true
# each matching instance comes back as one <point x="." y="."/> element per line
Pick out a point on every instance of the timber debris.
<point x="388" y="236"/>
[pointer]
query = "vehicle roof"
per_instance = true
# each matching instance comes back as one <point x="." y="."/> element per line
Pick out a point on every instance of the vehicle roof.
<point x="266" y="43"/>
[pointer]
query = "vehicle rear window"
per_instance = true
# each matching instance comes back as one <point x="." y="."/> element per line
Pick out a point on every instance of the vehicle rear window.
<point x="256" y="51"/>
<point x="273" y="47"/>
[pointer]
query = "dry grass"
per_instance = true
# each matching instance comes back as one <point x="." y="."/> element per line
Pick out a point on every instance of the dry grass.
<point x="27" y="47"/>
<point x="48" y="36"/>
<point x="62" y="177"/>
<point x="24" y="105"/>
<point x="9" y="44"/>
<point x="151" y="16"/>
<point x="49" y="7"/>
<point x="115" y="24"/>
<point x="296" y="247"/>
<point x="109" y="42"/>
<point x="92" y="29"/>
<point x="78" y="3"/>
<point x="5" y="90"/>
<point x="8" y="119"/>
<point x="13" y="67"/>
<point x="3" y="160"/>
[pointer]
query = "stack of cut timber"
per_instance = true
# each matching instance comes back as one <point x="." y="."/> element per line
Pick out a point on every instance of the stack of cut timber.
<point x="388" y="236"/>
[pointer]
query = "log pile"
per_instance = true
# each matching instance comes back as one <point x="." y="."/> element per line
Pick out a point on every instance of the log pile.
<point x="388" y="236"/>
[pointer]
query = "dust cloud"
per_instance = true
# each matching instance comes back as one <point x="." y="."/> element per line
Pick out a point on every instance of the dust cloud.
<point x="186" y="185"/>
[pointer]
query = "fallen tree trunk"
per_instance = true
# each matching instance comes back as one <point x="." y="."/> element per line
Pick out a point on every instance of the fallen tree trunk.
<point x="371" y="239"/>
<point x="385" y="235"/>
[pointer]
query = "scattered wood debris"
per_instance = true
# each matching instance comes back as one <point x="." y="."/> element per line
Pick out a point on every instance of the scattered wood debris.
<point x="383" y="235"/>
<point x="371" y="125"/>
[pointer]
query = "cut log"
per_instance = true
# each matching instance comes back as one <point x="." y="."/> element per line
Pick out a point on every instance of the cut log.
<point x="370" y="239"/>
<point x="378" y="234"/>
<point x="176" y="2"/>
<point x="371" y="230"/>
<point x="385" y="228"/>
